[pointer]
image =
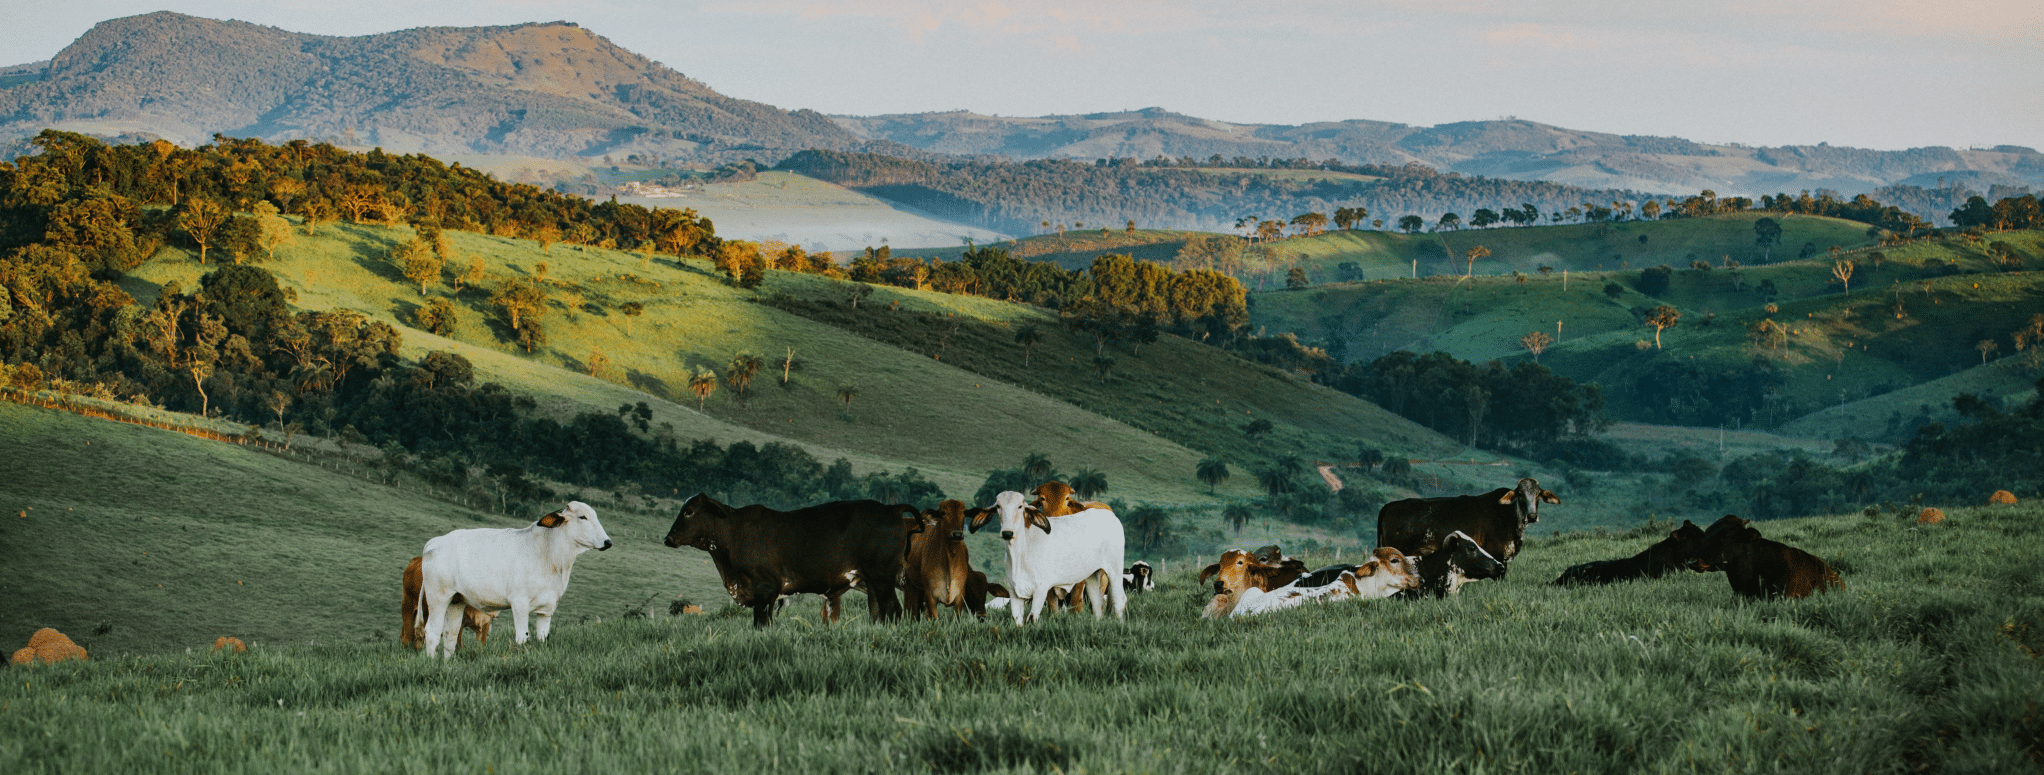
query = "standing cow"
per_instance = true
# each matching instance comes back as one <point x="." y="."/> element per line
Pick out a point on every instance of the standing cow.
<point x="1496" y="520"/>
<point x="829" y="549"/>
<point x="938" y="569"/>
<point x="1044" y="552"/>
<point x="521" y="569"/>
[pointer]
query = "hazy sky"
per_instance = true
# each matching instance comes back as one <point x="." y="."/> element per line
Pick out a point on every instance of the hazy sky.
<point x="1883" y="74"/>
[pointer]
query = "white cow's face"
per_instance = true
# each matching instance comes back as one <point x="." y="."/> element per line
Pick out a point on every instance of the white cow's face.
<point x="578" y="523"/>
<point x="1016" y="515"/>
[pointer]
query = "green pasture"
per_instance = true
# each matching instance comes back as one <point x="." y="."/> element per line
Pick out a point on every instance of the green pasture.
<point x="1925" y="662"/>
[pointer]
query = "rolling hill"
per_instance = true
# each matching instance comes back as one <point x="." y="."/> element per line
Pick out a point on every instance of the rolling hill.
<point x="539" y="89"/>
<point x="1507" y="148"/>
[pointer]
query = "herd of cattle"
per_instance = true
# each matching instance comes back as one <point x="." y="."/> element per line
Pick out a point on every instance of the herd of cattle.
<point x="1062" y="553"/>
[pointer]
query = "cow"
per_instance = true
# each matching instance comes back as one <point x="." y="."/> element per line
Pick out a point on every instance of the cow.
<point x="936" y="570"/>
<point x="472" y="618"/>
<point x="1386" y="573"/>
<point x="981" y="594"/>
<point x="1664" y="557"/>
<point x="1138" y="578"/>
<point x="521" y="569"/>
<point x="1760" y="568"/>
<point x="1497" y="520"/>
<point x="1261" y="574"/>
<point x="1459" y="560"/>
<point x="764" y="555"/>
<point x="1083" y="549"/>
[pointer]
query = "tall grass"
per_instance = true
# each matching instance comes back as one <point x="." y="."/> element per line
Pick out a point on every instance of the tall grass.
<point x="1926" y="662"/>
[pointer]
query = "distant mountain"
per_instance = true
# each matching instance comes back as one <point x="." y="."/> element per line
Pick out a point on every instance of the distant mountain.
<point x="535" y="89"/>
<point x="1510" y="149"/>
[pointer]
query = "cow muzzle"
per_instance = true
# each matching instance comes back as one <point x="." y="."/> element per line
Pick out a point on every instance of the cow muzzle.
<point x="1007" y="535"/>
<point x="605" y="546"/>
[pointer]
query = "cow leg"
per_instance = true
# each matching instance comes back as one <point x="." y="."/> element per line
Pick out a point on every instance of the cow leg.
<point x="917" y="604"/>
<point x="520" y="629"/>
<point x="1037" y="603"/>
<point x="436" y="624"/>
<point x="881" y="605"/>
<point x="544" y="620"/>
<point x="449" y="634"/>
<point x="1096" y="593"/>
<point x="1117" y="596"/>
<point x="831" y="606"/>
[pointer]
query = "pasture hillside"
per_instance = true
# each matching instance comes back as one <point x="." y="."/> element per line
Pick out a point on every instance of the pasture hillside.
<point x="134" y="540"/>
<point x="1925" y="662"/>
<point x="913" y="406"/>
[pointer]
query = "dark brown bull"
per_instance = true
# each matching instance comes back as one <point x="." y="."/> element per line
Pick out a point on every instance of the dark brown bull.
<point x="1497" y="520"/>
<point x="937" y="570"/>
<point x="1664" y="557"/>
<point x="764" y="555"/>
<point x="1758" y="567"/>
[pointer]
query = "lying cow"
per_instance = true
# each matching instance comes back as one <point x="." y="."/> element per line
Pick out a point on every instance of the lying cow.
<point x="1138" y="578"/>
<point x="1239" y="571"/>
<point x="1497" y="520"/>
<point x="1664" y="557"/>
<point x="764" y="555"/>
<point x="1758" y="567"/>
<point x="472" y="618"/>
<point x="1387" y="573"/>
<point x="1459" y="560"/>
<point x="981" y="594"/>
<point x="1082" y="550"/>
<point x="521" y="569"/>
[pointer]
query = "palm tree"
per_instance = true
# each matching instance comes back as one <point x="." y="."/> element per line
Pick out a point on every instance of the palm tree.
<point x="1237" y="514"/>
<point x="1213" y="471"/>
<point x="1028" y="336"/>
<point x="846" y="393"/>
<point x="1149" y="526"/>
<point x="1088" y="483"/>
<point x="1037" y="466"/>
<point x="703" y="382"/>
<point x="1277" y="481"/>
<point x="1103" y="365"/>
<point x="744" y="366"/>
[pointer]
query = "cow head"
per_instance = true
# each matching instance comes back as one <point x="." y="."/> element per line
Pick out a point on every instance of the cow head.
<point x="1235" y="572"/>
<point x="1707" y="552"/>
<point x="1140" y="574"/>
<point x="1387" y="572"/>
<point x="1527" y="497"/>
<point x="1675" y="551"/>
<point x="698" y="524"/>
<point x="1055" y="499"/>
<point x="1016" y="516"/>
<point x="578" y="522"/>
<point x="1270" y="555"/>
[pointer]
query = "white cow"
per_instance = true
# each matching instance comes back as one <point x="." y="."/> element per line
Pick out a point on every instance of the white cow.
<point x="522" y="569"/>
<point x="1046" y="552"/>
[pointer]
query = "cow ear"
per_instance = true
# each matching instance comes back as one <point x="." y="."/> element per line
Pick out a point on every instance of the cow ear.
<point x="1074" y="505"/>
<point x="1038" y="519"/>
<point x="1549" y="496"/>
<point x="1367" y="569"/>
<point x="1509" y="495"/>
<point x="977" y="518"/>
<point x="555" y="519"/>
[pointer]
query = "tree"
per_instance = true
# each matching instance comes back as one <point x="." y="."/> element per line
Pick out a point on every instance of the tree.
<point x="1088" y="483"/>
<point x="744" y="366"/>
<point x="1411" y="224"/>
<point x="703" y="382"/>
<point x="1348" y="217"/>
<point x="201" y="219"/>
<point x="1843" y="271"/>
<point x="274" y="230"/>
<point x="520" y="299"/>
<point x="470" y="275"/>
<point x="1654" y="281"/>
<point x="1536" y="343"/>
<point x="1276" y="481"/>
<point x="1212" y="471"/>
<point x="632" y="310"/>
<point x="1310" y="223"/>
<point x="1296" y="278"/>
<point x="1766" y="234"/>
<point x="1986" y="348"/>
<point x="1237" y="515"/>
<point x="418" y="262"/>
<point x="597" y="362"/>
<point x="1975" y="212"/>
<point x="1258" y="428"/>
<point x="1484" y="217"/>
<point x="1028" y="336"/>
<point x="1103" y="365"/>
<point x="1449" y="222"/>
<point x="1614" y="290"/>
<point x="1475" y="254"/>
<point x="845" y="394"/>
<point x="438" y="316"/>
<point x="1662" y="317"/>
<point x="1038" y="467"/>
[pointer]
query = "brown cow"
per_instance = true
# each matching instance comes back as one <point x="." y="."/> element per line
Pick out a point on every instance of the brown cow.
<point x="937" y="570"/>
<point x="1664" y="557"/>
<point x="1497" y="520"/>
<point x="1758" y="567"/>
<point x="1238" y="571"/>
<point x="472" y="618"/>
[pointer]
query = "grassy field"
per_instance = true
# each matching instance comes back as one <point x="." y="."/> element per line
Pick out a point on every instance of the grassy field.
<point x="1926" y="662"/>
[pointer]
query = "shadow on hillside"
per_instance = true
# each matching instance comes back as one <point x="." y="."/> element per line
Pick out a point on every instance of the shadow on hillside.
<point x="646" y="382"/>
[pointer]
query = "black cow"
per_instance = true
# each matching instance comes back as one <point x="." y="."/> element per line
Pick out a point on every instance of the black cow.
<point x="764" y="555"/>
<point x="1460" y="559"/>
<point x="1758" y="567"/>
<point x="1664" y="557"/>
<point x="1497" y="520"/>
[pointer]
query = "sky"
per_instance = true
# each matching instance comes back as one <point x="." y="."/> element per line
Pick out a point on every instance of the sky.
<point x="1878" y="74"/>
